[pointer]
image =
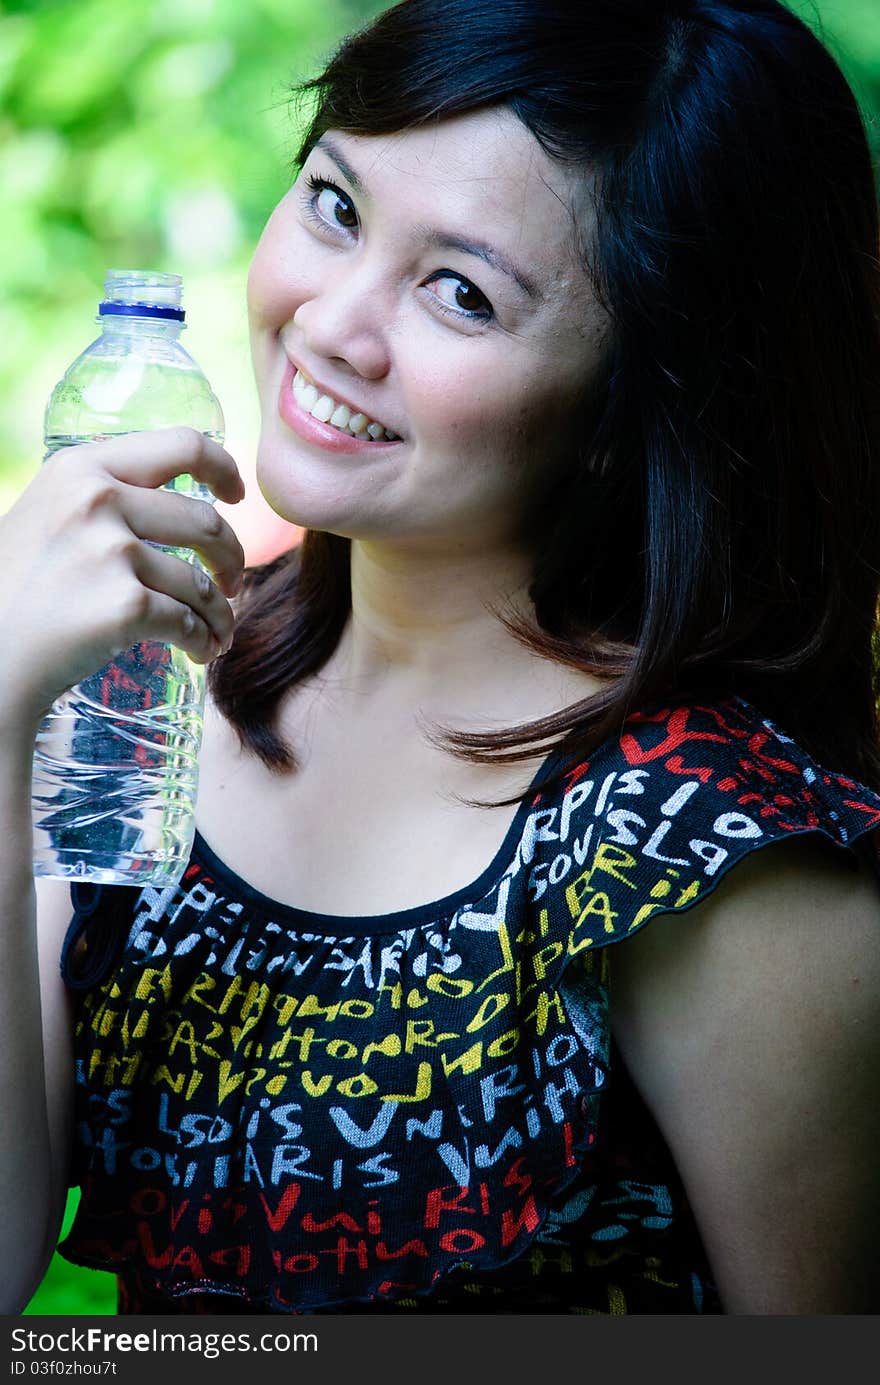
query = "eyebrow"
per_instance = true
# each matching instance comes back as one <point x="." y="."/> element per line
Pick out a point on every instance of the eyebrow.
<point x="434" y="238"/>
<point x="445" y="240"/>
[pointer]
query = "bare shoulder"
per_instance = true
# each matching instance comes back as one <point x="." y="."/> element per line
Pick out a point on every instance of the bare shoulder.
<point x="751" y="1024"/>
<point x="804" y="895"/>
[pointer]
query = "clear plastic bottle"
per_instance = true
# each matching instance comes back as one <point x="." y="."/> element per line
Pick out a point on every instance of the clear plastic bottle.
<point x="116" y="758"/>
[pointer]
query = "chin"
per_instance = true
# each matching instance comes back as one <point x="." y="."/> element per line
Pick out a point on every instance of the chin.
<point x="308" y="493"/>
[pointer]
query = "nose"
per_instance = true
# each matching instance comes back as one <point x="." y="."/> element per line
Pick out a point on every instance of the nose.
<point x="342" y="321"/>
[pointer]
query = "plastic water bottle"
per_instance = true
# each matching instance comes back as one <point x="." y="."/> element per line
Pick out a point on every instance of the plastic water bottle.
<point x="116" y="758"/>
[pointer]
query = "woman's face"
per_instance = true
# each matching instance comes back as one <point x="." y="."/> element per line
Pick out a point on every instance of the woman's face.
<point x="426" y="282"/>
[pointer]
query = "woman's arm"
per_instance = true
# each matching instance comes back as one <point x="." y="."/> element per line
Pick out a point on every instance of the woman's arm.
<point x="78" y="586"/>
<point x="36" y="1079"/>
<point x="751" y="1025"/>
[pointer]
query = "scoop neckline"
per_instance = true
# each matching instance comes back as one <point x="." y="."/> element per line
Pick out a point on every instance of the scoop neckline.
<point x="418" y="915"/>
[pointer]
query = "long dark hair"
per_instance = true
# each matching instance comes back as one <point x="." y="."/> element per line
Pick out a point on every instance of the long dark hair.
<point x="719" y="530"/>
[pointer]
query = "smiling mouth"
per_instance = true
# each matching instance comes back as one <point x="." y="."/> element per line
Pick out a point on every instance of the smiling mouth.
<point x="326" y="409"/>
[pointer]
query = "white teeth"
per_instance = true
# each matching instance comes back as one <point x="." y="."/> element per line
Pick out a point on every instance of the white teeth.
<point x="326" y="410"/>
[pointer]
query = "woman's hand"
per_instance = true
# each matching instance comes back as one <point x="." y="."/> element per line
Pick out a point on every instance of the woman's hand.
<point x="80" y="580"/>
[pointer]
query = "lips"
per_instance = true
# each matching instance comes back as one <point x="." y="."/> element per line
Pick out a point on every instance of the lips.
<point x="331" y="408"/>
<point x="330" y="437"/>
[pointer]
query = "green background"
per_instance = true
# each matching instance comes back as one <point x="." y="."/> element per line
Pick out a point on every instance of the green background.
<point x="156" y="134"/>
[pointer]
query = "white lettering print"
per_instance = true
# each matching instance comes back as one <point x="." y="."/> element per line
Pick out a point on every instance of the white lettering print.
<point x="652" y="847"/>
<point x="618" y="819"/>
<point x="736" y="825"/>
<point x="560" y="866"/>
<point x="354" y="1135"/>
<point x="627" y="829"/>
<point x="582" y="847"/>
<point x="632" y="781"/>
<point x="710" y="852"/>
<point x="495" y="1085"/>
<point x="603" y="794"/>
<point x="537" y="886"/>
<point x="676" y="801"/>
<point x="574" y="798"/>
<point x="459" y="1165"/>
<point x="443" y="959"/>
<point x="484" y="922"/>
<point x="538" y="828"/>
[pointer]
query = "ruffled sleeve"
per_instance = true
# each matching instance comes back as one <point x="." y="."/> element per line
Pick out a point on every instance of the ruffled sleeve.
<point x="692" y="791"/>
<point x="96" y="933"/>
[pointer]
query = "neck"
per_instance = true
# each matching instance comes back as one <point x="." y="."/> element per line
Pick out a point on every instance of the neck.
<point x="429" y="620"/>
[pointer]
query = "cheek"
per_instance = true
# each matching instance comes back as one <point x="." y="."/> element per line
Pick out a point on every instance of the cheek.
<point x="256" y="289"/>
<point x="528" y="442"/>
<point x="260" y="275"/>
<point x="505" y="418"/>
<point x="471" y="406"/>
<point x="275" y="277"/>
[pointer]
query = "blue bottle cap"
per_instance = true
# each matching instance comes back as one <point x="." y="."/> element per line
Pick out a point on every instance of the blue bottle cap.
<point x="113" y="309"/>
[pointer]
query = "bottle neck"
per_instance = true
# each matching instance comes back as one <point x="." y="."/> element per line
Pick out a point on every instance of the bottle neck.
<point x="165" y="328"/>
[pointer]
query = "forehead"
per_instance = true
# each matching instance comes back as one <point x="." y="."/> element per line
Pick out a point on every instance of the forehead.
<point x="482" y="173"/>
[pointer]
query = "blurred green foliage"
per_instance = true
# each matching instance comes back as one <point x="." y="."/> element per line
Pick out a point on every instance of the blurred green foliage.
<point x="156" y="134"/>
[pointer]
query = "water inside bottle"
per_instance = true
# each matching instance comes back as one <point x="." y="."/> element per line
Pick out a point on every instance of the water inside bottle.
<point x="116" y="771"/>
<point x="116" y="758"/>
<point x="185" y="483"/>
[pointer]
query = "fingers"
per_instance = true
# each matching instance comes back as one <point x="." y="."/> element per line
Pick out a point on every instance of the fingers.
<point x="152" y="459"/>
<point x="181" y="604"/>
<point x="180" y="521"/>
<point x="122" y="477"/>
<point x="81" y="577"/>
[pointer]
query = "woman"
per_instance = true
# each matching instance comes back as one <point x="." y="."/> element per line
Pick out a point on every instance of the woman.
<point x="566" y="342"/>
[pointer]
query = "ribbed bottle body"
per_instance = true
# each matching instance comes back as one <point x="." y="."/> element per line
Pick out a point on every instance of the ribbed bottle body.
<point x="116" y="757"/>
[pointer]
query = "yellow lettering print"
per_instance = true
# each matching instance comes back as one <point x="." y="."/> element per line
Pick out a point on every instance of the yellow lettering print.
<point x="451" y="987"/>
<point x="466" y="1062"/>
<point x="151" y="977"/>
<point x="185" y="1037"/>
<point x="423" y="1087"/>
<point x="505" y="1044"/>
<point x="688" y="893"/>
<point x="389" y="1047"/>
<point x="314" y="1088"/>
<point x="506" y="956"/>
<point x="543" y="959"/>
<point x="491" y="1006"/>
<point x="599" y="905"/>
<point x="362" y="1086"/>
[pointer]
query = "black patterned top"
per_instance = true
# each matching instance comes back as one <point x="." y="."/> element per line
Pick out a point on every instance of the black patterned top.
<point x="283" y="1111"/>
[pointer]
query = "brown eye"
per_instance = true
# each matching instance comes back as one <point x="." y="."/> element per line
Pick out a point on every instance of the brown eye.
<point x="469" y="298"/>
<point x="456" y="295"/>
<point x="334" y="206"/>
